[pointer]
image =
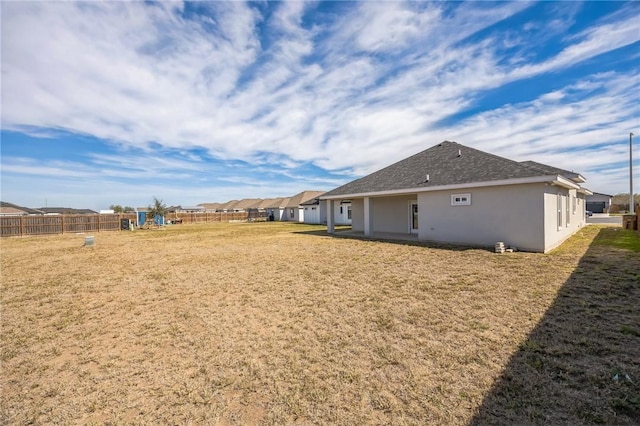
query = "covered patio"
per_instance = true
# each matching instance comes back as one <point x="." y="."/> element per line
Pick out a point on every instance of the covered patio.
<point x="393" y="236"/>
<point x="384" y="217"/>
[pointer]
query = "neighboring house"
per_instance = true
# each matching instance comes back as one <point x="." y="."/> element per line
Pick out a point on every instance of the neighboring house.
<point x="456" y="194"/>
<point x="228" y="206"/>
<point x="276" y="209"/>
<point x="10" y="209"/>
<point x="186" y="209"/>
<point x="264" y="204"/>
<point x="342" y="212"/>
<point x="246" y="204"/>
<point x="65" y="210"/>
<point x="315" y="212"/>
<point x="210" y="207"/>
<point x="599" y="203"/>
<point x="294" y="211"/>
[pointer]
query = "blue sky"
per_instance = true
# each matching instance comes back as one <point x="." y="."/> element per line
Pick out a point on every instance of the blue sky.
<point x="117" y="102"/>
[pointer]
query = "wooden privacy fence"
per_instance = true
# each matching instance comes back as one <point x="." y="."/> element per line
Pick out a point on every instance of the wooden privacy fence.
<point x="18" y="226"/>
<point x="207" y="217"/>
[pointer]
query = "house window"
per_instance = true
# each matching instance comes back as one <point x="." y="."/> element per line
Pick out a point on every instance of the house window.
<point x="461" y="200"/>
<point x="567" y="210"/>
<point x="559" y="206"/>
<point x="349" y="212"/>
<point x="291" y="213"/>
<point x="573" y="203"/>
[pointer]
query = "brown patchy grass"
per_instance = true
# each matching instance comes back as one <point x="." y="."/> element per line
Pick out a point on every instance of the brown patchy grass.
<point x="581" y="363"/>
<point x="267" y="323"/>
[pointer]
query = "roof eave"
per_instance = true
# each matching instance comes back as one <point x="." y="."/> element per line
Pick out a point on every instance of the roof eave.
<point x="552" y="179"/>
<point x="565" y="183"/>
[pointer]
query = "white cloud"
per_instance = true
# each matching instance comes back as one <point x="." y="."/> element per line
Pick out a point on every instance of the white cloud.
<point x="391" y="25"/>
<point x="585" y="135"/>
<point x="593" y="42"/>
<point x="352" y="93"/>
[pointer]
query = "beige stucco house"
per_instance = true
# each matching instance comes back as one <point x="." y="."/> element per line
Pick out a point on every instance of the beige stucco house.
<point x="456" y="194"/>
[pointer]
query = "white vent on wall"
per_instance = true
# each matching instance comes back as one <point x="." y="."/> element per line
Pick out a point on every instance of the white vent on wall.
<point x="461" y="199"/>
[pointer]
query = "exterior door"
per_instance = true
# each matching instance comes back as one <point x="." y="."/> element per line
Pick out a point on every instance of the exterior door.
<point x="413" y="217"/>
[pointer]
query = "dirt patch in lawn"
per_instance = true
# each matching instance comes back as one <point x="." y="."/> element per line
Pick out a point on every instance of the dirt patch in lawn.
<point x="262" y="324"/>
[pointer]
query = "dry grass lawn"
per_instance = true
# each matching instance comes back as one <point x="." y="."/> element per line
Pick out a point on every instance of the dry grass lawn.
<point x="268" y="323"/>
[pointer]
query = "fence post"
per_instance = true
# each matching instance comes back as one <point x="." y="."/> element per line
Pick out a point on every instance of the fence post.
<point x="98" y="222"/>
<point x="22" y="226"/>
<point x="62" y="218"/>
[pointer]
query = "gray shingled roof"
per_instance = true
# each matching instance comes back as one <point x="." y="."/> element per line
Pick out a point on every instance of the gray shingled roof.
<point x="28" y="210"/>
<point x="311" y="202"/>
<point x="551" y="170"/>
<point x="266" y="203"/>
<point x="247" y="203"/>
<point x="210" y="206"/>
<point x="448" y="163"/>
<point x="228" y="205"/>
<point x="277" y="203"/>
<point x="301" y="197"/>
<point x="66" y="210"/>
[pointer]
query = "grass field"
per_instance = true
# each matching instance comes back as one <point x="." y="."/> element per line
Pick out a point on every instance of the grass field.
<point x="272" y="323"/>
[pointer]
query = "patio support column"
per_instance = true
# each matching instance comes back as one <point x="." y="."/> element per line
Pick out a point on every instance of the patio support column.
<point x="330" y="218"/>
<point x="368" y="232"/>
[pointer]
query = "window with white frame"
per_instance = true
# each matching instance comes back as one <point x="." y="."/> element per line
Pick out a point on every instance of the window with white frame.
<point x="573" y="203"/>
<point x="567" y="210"/>
<point x="461" y="199"/>
<point x="559" y="205"/>
<point x="291" y="213"/>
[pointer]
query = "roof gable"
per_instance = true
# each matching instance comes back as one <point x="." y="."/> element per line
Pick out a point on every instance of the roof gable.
<point x="447" y="163"/>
